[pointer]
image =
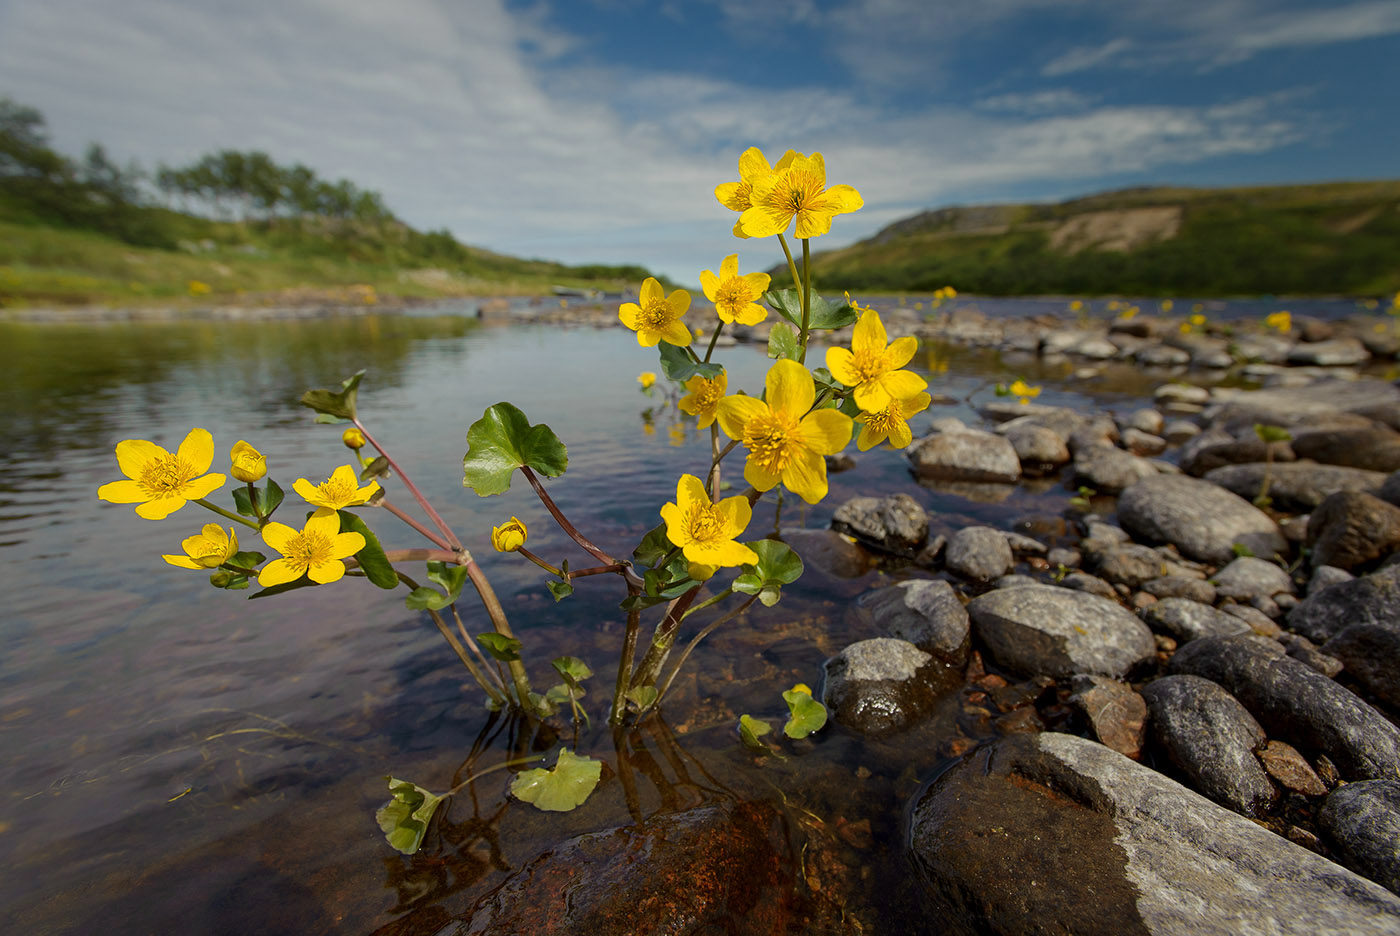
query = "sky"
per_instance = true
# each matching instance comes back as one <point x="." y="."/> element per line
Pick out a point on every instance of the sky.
<point x="595" y="131"/>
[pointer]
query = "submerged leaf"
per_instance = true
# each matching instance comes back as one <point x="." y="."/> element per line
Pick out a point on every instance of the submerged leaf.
<point x="404" y="819"/>
<point x="561" y="788"/>
<point x="751" y="729"/>
<point x="808" y="715"/>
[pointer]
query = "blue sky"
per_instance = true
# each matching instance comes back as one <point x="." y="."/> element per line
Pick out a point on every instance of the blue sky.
<point x="596" y="130"/>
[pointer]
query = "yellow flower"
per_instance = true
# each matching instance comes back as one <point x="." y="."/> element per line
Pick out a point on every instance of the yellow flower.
<point x="706" y="532"/>
<point x="248" y="464"/>
<point x="872" y="365"/>
<point x="785" y="441"/>
<point x="1024" y="390"/>
<point x="1198" y="320"/>
<point x="315" y="550"/>
<point x="1129" y="313"/>
<point x="675" y="435"/>
<point x="950" y="292"/>
<point x="658" y="318"/>
<point x="753" y="165"/>
<point x="341" y="489"/>
<point x="646" y="379"/>
<point x="158" y="482"/>
<point x="1166" y="305"/>
<point x="198" y="289"/>
<point x="508" y="537"/>
<point x="800" y="192"/>
<point x="891" y="423"/>
<point x="353" y="438"/>
<point x="208" y="549"/>
<point x="703" y="399"/>
<point x="1076" y="306"/>
<point x="1283" y="321"/>
<point x="1113" y="305"/>
<point x="735" y="296"/>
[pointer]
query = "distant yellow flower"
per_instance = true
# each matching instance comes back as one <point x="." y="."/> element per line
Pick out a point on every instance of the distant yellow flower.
<point x="1283" y="321"/>
<point x="1129" y="313"/>
<point x="160" y="483"/>
<point x="247" y="463"/>
<point x="1113" y="305"/>
<point x="800" y="192"/>
<point x="648" y="428"/>
<point x="1184" y="328"/>
<point x="316" y="550"/>
<point x="658" y="317"/>
<point x="198" y="289"/>
<point x="1076" y="306"/>
<point x="891" y="423"/>
<point x="753" y="165"/>
<point x="706" y="532"/>
<point x="703" y="399"/>
<point x="1024" y="391"/>
<point x="208" y="549"/>
<point x="872" y="365"/>
<point x="342" y="489"/>
<point x="785" y="441"/>
<point x="1166" y="305"/>
<point x="675" y="435"/>
<point x="510" y="536"/>
<point x="1198" y="320"/>
<point x="353" y="438"/>
<point x="647" y="379"/>
<point x="735" y="297"/>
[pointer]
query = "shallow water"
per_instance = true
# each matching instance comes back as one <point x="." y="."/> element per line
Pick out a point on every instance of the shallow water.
<point x="177" y="759"/>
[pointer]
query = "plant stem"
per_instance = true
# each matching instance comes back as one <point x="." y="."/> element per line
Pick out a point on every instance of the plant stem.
<point x="452" y="541"/>
<point x="662" y="640"/>
<point x="418" y="555"/>
<point x="713" y="479"/>
<point x="713" y="338"/>
<point x="708" y="629"/>
<point x="792" y="267"/>
<point x="562" y="520"/>
<point x="513" y="762"/>
<point x="597" y="570"/>
<point x="708" y="602"/>
<point x="624" y="662"/>
<point x="253" y="503"/>
<point x="540" y="562"/>
<point x="499" y="622"/>
<point x="398" y="511"/>
<point x="806" y="299"/>
<point x="476" y="651"/>
<point x="224" y="513"/>
<point x="460" y="650"/>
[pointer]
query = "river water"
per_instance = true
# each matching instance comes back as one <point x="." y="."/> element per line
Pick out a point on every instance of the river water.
<point x="178" y="759"/>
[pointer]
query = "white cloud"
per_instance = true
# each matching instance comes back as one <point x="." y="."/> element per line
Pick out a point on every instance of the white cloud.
<point x="1086" y="57"/>
<point x="1323" y="27"/>
<point x="1035" y="103"/>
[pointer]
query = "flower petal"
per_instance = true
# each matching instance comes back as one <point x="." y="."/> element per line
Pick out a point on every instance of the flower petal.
<point x="679" y="301"/>
<point x="690" y="491"/>
<point x="872" y="396"/>
<point x="134" y="454"/>
<point x="846" y="199"/>
<point x="812" y="222"/>
<point x="790" y="388"/>
<point x="650" y="337"/>
<point x="734" y="513"/>
<point x="751" y="314"/>
<point x="760" y="477"/>
<point x="277" y="536"/>
<point x="869" y="437"/>
<point x="121" y="492"/>
<point x="739" y="226"/>
<point x="902" y="384"/>
<point x="869" y="333"/>
<point x="307" y="491"/>
<point x="160" y="508"/>
<point x="197" y="450"/>
<point x="651" y="289"/>
<point x="901" y="351"/>
<point x="759" y="221"/>
<point x="676" y="333"/>
<point x="900" y="436"/>
<point x="709" y="283"/>
<point x="735" y="412"/>
<point x="630" y="314"/>
<point x="324" y="522"/>
<point x="202" y="487"/>
<point x="674" y="519"/>
<point x="757" y="282"/>
<point x="729" y="267"/>
<point x="184" y="562"/>
<point x="725" y="553"/>
<point x="842" y="364"/>
<point x="826" y="431"/>
<point x="733" y="195"/>
<point x="327" y="572"/>
<point x="805" y="476"/>
<point x="345" y="545"/>
<point x="753" y="164"/>
<point x="278" y="572"/>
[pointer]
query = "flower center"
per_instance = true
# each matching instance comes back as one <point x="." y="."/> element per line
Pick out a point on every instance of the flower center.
<point x="656" y="313"/>
<point x="885" y="420"/>
<point x="772" y="441"/>
<point x="869" y="364"/>
<point x="732" y="293"/>
<point x="799" y="189"/>
<point x="708" y="395"/>
<point x="308" y="550"/>
<point x="165" y="475"/>
<point x="703" y="524"/>
<point x="337" y="490"/>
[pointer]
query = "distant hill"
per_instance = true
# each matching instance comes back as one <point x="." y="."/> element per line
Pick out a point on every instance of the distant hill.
<point x="1329" y="238"/>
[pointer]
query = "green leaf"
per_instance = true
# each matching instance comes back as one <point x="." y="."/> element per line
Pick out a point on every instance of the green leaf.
<point x="850" y="407"/>
<point x="247" y="560"/>
<point x="808" y="715"/>
<point x="560" y="590"/>
<point x="777" y="566"/>
<point x="643" y="697"/>
<point x="653" y="547"/>
<point x="404" y="819"/>
<point x="505" y="649"/>
<point x="751" y="729"/>
<point x="450" y="576"/>
<point x="640" y="602"/>
<point x="572" y="669"/>
<point x="677" y="364"/>
<point x="543" y="705"/>
<point x="371" y="558"/>
<point x="1240" y="549"/>
<point x="338" y="404"/>
<point x="788" y="303"/>
<point x="377" y="468"/>
<point x="329" y="420"/>
<point x="562" y="788"/>
<point x="503" y="440"/>
<point x="782" y="343"/>
<point x="242" y="502"/>
<point x="268" y="498"/>
<point x="1272" y="433"/>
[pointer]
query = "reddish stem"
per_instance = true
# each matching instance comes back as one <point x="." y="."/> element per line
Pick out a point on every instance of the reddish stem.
<point x="398" y="512"/>
<point x="452" y="541"/>
<point x="562" y="520"/>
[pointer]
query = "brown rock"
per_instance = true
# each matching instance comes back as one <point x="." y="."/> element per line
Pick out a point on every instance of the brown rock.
<point x="1375" y="449"/>
<point x="1350" y="529"/>
<point x="1117" y="714"/>
<point x="1287" y="766"/>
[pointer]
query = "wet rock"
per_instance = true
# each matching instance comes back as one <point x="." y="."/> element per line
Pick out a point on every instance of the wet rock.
<point x="702" y="869"/>
<point x="1248" y="577"/>
<point x="1058" y="419"/>
<point x="1039" y="449"/>
<point x="1211" y="739"/>
<point x="928" y="556"/>
<point x="883" y="685"/>
<point x="1363" y="821"/>
<point x="1203" y="521"/>
<point x="1025" y="545"/>
<point x="978" y="553"/>
<point x="1369" y="599"/>
<point x="1117" y="714"/>
<point x="1099" y="532"/>
<point x="1041" y="629"/>
<point x="1371" y="655"/>
<point x="896" y="523"/>
<point x="1325" y="575"/>
<point x="1351" y="529"/>
<point x="1256" y="620"/>
<point x="1014" y="581"/>
<point x="1290" y="769"/>
<point x="1298" y="486"/>
<point x="1109" y="470"/>
<point x="1372" y="448"/>
<point x="1292" y="406"/>
<point x="969" y="455"/>
<point x="1297" y="704"/>
<point x="1129" y="564"/>
<point x="926" y="613"/>
<point x="842" y="461"/>
<point x="1336" y="352"/>
<point x="1268" y="349"/>
<point x="1084" y="840"/>
<point x="1144" y="420"/>
<point x="1186" y="620"/>
<point x="1083" y="581"/>
<point x="1142" y="443"/>
<point x="1181" y="586"/>
<point x="831" y="552"/>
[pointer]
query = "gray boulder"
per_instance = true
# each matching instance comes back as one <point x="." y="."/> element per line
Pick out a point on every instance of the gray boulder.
<point x="969" y="455"/>
<point x="1249" y="577"/>
<point x="1187" y="620"/>
<point x="1351" y="529"/>
<point x="1297" y="486"/>
<point x="1203" y="521"/>
<point x="883" y="685"/>
<point x="1338" y="352"/>
<point x="1363" y="821"/>
<point x="1369" y="599"/>
<point x="1374" y="448"/>
<point x="926" y="613"/>
<point x="1181" y="586"/>
<point x="1044" y="630"/>
<point x="1371" y="655"/>
<point x="1038" y="448"/>
<point x="978" y="553"/>
<point x="1109" y="469"/>
<point x="897" y="523"/>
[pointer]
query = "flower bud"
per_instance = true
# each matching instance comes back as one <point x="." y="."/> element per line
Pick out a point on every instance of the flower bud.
<point x="248" y="464"/>
<point x="508" y="537"/>
<point x="353" y="438"/>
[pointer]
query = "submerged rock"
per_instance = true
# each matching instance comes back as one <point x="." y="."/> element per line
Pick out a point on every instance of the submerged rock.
<point x="1041" y="629"/>
<point x="883" y="685"/>
<point x="1203" y="521"/>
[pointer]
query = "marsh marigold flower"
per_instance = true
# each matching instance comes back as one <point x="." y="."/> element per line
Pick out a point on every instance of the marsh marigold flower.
<point x="872" y="365"/>
<point x="1024" y="391"/>
<point x="800" y="192"/>
<point x="753" y="165"/>
<point x="658" y="316"/>
<point x="207" y="549"/>
<point x="785" y="442"/>
<point x="247" y="463"/>
<point x="703" y="399"/>
<point x="353" y="439"/>
<point x="509" y="536"/>
<point x="1283" y="321"/>
<point x="706" y="532"/>
<point x="342" y="489"/>
<point x="891" y="423"/>
<point x="316" y="550"/>
<point x="735" y="297"/>
<point x="647" y="379"/>
<point x="160" y="483"/>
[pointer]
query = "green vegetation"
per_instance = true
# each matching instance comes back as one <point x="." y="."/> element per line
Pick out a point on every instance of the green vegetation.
<point x="248" y="230"/>
<point x="1297" y="240"/>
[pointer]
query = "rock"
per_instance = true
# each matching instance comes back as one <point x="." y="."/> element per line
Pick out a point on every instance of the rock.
<point x="1051" y="833"/>
<point x="1099" y="532"/>
<point x="1350" y="529"/>
<point x="1144" y="420"/>
<point x="842" y="461"/>
<point x="1142" y="443"/>
<point x="1269" y="349"/>
<point x="1180" y="430"/>
<point x="1363" y="821"/>
<point x="1296" y="703"/>
<point x="1287" y="766"/>
<point x="1128" y="564"/>
<point x="831" y="552"/>
<point x="1211" y="739"/>
<point x="1025" y="545"/>
<point x="1248" y="577"/>
<point x="1064" y="556"/>
<point x="928" y="556"/>
<point x="1390" y="489"/>
<point x="1082" y="581"/>
<point x="978" y="553"/>
<point x="969" y="455"/>
<point x="1369" y="599"/>
<point x="1041" y="629"/>
<point x="896" y="523"/>
<point x="1181" y="393"/>
<point x="1039" y="449"/>
<point x="1096" y="434"/>
<point x="1181" y="586"/>
<point x="1305" y="651"/>
<point x="1373" y="448"/>
<point x="1201" y="520"/>
<point x="1296" y="486"/>
<point x="1207" y="452"/>
<point x="1109" y="470"/>
<point x="1324" y="575"/>
<point x="1186" y="620"/>
<point x="926" y="613"/>
<point x="1371" y="655"/>
<point x="1256" y="620"/>
<point x="1292" y="406"/>
<point x="883" y="685"/>
<point x="1333" y="353"/>
<point x="1058" y="419"/>
<point x="1160" y="355"/>
<point x="1014" y="581"/>
<point x="1117" y="714"/>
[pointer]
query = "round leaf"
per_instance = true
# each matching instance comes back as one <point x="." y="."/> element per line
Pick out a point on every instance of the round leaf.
<point x="563" y="787"/>
<point x="503" y="440"/>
